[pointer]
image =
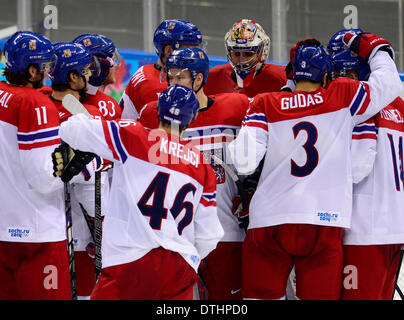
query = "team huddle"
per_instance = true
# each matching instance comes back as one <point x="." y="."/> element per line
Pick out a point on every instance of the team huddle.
<point x="220" y="183"/>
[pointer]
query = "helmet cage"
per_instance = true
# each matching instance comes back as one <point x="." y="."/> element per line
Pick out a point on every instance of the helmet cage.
<point x="247" y="35"/>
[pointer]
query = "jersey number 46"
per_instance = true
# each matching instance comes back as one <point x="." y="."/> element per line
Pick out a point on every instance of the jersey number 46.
<point x="156" y="210"/>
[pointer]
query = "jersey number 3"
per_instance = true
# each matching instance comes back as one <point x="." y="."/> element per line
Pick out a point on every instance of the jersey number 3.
<point x="156" y="211"/>
<point x="311" y="151"/>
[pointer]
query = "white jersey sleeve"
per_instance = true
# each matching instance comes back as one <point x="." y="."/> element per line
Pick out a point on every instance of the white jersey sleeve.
<point x="250" y="146"/>
<point x="88" y="136"/>
<point x="363" y="149"/>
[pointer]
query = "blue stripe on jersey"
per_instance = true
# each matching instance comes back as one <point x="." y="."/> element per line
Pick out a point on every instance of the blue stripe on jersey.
<point x="38" y="135"/>
<point x="357" y="103"/>
<point x="117" y="140"/>
<point x="209" y="197"/>
<point x="365" y="128"/>
<point x="255" y="117"/>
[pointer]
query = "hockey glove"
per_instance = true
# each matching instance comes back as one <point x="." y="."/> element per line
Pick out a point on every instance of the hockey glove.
<point x="68" y="162"/>
<point x="289" y="66"/>
<point x="365" y="45"/>
<point x="241" y="212"/>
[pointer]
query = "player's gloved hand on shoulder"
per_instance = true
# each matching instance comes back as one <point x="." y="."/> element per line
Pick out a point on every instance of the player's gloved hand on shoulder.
<point x="289" y="66"/>
<point x="365" y="45"/>
<point x="68" y="162"/>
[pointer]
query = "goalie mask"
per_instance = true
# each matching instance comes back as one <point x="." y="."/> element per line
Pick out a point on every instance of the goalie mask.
<point x="247" y="47"/>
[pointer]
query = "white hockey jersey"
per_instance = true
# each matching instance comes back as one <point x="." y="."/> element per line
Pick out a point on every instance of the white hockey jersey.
<point x="215" y="126"/>
<point x="162" y="193"/>
<point x="32" y="206"/>
<point x="306" y="137"/>
<point x="378" y="201"/>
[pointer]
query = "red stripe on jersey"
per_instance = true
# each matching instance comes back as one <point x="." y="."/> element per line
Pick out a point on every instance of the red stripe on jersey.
<point x="109" y="140"/>
<point x="29" y="146"/>
<point x="206" y="203"/>
<point x="256" y="124"/>
<point x="364" y="136"/>
<point x="365" y="103"/>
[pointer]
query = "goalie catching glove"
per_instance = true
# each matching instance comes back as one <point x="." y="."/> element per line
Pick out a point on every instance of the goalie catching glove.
<point x="68" y="163"/>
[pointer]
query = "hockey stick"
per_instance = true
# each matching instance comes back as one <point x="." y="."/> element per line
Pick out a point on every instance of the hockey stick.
<point x="74" y="106"/>
<point x="69" y="231"/>
<point x="90" y="223"/>
<point x="396" y="287"/>
<point x="71" y="104"/>
<point x="97" y="225"/>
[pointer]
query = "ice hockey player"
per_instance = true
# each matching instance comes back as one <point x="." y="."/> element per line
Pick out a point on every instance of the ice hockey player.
<point x="109" y="58"/>
<point x="33" y="254"/>
<point x="152" y="249"/>
<point x="145" y="84"/>
<point x="306" y="137"/>
<point x="373" y="243"/>
<point x="217" y="124"/>
<point x="247" y="48"/>
<point x="71" y="75"/>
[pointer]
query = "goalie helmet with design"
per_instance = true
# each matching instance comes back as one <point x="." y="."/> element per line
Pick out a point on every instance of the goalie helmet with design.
<point x="247" y="47"/>
<point x="72" y="57"/>
<point x="104" y="49"/>
<point x="194" y="60"/>
<point x="178" y="104"/>
<point x="176" y="33"/>
<point x="25" y="48"/>
<point x="311" y="63"/>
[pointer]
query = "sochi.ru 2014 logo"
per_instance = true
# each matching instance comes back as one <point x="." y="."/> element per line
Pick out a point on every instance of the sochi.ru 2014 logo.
<point x="327" y="216"/>
<point x="18" y="233"/>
